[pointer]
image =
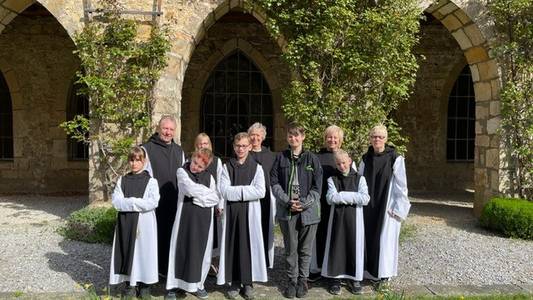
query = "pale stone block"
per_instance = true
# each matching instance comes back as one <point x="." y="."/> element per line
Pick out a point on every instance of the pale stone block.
<point x="476" y="54"/>
<point x="8" y="18"/>
<point x="448" y="9"/>
<point x="259" y="16"/>
<point x="493" y="158"/>
<point x="479" y="128"/>
<point x="462" y="16"/>
<point x="482" y="91"/>
<point x="494" y="181"/>
<point x="482" y="140"/>
<point x="230" y="46"/>
<point x="12" y="82"/>
<point x="495" y="86"/>
<point x="495" y="141"/>
<point x="17" y="5"/>
<point x="209" y="21"/>
<point x="493" y="125"/>
<point x="462" y="39"/>
<point x="451" y="22"/>
<point x="438" y="15"/>
<point x="488" y="70"/>
<point x="494" y="108"/>
<point x="482" y="112"/>
<point x="220" y="11"/>
<point x="234" y="3"/>
<point x="472" y="31"/>
<point x="475" y="72"/>
<point x="435" y="6"/>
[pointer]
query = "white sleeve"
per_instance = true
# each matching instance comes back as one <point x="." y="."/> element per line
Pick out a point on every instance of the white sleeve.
<point x="361" y="170"/>
<point x="229" y="192"/>
<point x="209" y="199"/>
<point x="148" y="165"/>
<point x="118" y="200"/>
<point x="201" y="194"/>
<point x="256" y="190"/>
<point x="332" y="196"/>
<point x="360" y="197"/>
<point x="400" y="202"/>
<point x="220" y="170"/>
<point x="150" y="199"/>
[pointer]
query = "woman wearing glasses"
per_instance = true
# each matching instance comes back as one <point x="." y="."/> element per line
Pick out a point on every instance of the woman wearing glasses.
<point x="384" y="171"/>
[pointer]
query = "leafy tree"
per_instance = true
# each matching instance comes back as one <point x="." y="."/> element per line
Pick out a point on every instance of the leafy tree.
<point x="352" y="63"/>
<point x="514" y="49"/>
<point x="118" y="72"/>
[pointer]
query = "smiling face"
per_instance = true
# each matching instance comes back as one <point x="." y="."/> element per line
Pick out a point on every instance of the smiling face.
<point x="203" y="143"/>
<point x="166" y="130"/>
<point x="136" y="164"/>
<point x="295" y="140"/>
<point x="242" y="147"/>
<point x="333" y="141"/>
<point x="197" y="165"/>
<point x="256" y="137"/>
<point x="343" y="164"/>
<point x="378" y="138"/>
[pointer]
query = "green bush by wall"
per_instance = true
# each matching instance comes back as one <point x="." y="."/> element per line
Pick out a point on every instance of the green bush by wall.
<point x="91" y="224"/>
<point x="512" y="217"/>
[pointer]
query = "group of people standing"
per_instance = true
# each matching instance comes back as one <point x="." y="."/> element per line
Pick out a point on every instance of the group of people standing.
<point x="176" y="215"/>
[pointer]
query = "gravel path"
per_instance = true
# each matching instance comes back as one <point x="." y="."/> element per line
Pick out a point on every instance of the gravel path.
<point x="448" y="248"/>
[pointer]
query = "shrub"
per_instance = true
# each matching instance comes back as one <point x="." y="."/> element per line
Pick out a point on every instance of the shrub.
<point x="512" y="217"/>
<point x="91" y="224"/>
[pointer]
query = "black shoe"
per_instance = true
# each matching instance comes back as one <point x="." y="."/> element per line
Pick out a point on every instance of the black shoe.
<point x="335" y="287"/>
<point x="301" y="289"/>
<point x="248" y="292"/>
<point x="129" y="292"/>
<point x="144" y="291"/>
<point x="233" y="292"/>
<point x="355" y="287"/>
<point x="290" y="292"/>
<point x="202" y="294"/>
<point x="380" y="284"/>
<point x="313" y="277"/>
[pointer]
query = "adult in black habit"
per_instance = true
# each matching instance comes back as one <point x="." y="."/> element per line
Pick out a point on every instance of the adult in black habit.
<point x="384" y="171"/>
<point x="265" y="158"/>
<point x="333" y="137"/>
<point x="164" y="159"/>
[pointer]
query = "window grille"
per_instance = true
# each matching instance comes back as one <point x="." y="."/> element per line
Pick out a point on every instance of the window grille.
<point x="461" y="119"/>
<point x="77" y="105"/>
<point x="6" y="121"/>
<point x="235" y="96"/>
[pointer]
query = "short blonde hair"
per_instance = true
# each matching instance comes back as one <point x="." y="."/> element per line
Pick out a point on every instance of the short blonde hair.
<point x="341" y="154"/>
<point x="240" y="136"/>
<point x="334" y="129"/>
<point x="205" y="155"/>
<point x="380" y="128"/>
<point x="200" y="136"/>
<point x="258" y="126"/>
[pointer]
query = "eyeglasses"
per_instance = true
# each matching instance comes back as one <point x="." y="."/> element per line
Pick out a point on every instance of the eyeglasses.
<point x="240" y="146"/>
<point x="381" y="137"/>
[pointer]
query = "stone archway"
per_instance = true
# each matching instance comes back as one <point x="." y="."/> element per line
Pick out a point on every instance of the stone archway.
<point x="475" y="44"/>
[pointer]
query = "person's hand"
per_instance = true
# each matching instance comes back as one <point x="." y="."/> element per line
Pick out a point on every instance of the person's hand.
<point x="219" y="211"/>
<point x="296" y="206"/>
<point x="394" y="216"/>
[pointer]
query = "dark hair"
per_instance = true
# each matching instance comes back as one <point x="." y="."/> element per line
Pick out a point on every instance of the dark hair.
<point x="295" y="129"/>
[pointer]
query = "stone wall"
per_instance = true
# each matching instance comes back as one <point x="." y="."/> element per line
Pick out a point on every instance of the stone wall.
<point x="37" y="61"/>
<point x="222" y="39"/>
<point x="424" y="117"/>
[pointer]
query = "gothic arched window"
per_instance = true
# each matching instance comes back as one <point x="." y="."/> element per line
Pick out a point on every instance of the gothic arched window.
<point x="77" y="105"/>
<point x="235" y="96"/>
<point x="461" y="119"/>
<point x="6" y="121"/>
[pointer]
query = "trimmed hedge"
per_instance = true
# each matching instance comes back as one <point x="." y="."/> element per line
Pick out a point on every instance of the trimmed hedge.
<point x="512" y="217"/>
<point x="91" y="224"/>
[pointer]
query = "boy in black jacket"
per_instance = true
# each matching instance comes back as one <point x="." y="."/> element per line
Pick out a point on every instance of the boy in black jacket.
<point x="296" y="180"/>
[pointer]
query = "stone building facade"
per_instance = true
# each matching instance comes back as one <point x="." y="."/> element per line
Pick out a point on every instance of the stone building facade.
<point x="213" y="40"/>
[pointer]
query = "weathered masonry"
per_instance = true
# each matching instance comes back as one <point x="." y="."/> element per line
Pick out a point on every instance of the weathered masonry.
<point x="224" y="73"/>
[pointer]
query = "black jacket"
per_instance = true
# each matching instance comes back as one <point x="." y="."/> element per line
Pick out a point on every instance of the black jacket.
<point x="309" y="179"/>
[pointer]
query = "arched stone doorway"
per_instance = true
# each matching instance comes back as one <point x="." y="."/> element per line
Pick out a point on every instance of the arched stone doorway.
<point x="242" y="34"/>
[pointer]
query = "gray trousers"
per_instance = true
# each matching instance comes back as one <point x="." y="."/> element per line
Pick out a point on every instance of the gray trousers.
<point x="298" y="240"/>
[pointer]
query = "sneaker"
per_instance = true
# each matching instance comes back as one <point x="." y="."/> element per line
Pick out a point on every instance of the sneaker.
<point x="144" y="291"/>
<point x="355" y="287"/>
<point x="171" y="295"/>
<point x="290" y="292"/>
<point x="248" y="292"/>
<point x="129" y="292"/>
<point x="302" y="288"/>
<point x="313" y="277"/>
<point x="202" y="294"/>
<point x="233" y="292"/>
<point x="335" y="287"/>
